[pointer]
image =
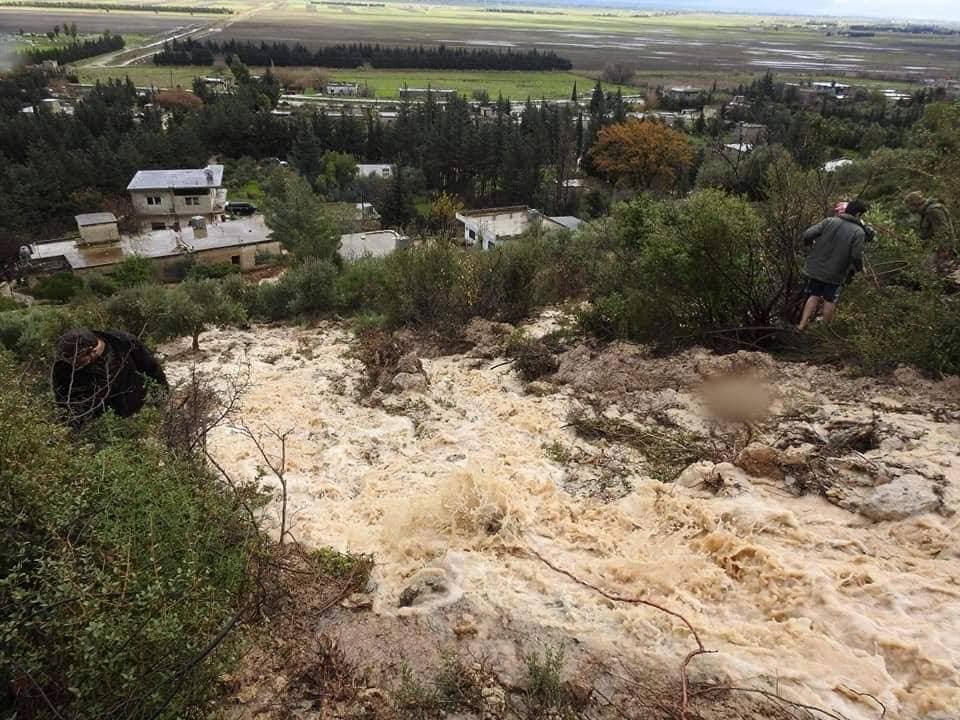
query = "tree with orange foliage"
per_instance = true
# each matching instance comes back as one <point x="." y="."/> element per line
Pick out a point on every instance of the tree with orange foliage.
<point x="641" y="153"/>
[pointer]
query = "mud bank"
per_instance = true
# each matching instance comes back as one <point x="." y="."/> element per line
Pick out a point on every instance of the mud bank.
<point x="821" y="588"/>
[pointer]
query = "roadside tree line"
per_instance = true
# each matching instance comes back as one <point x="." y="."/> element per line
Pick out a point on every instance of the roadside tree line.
<point x="204" y="52"/>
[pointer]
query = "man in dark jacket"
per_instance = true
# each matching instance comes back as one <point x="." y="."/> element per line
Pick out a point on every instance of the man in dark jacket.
<point x="836" y="254"/>
<point x="99" y="371"/>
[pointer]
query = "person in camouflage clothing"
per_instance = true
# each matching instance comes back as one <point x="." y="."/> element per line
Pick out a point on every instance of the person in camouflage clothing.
<point x="936" y="226"/>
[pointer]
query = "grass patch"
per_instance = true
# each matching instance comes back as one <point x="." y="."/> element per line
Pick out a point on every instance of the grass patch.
<point x="666" y="453"/>
<point x="334" y="564"/>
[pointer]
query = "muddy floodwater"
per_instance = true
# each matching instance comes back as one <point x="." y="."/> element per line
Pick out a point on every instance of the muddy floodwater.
<point x="828" y="592"/>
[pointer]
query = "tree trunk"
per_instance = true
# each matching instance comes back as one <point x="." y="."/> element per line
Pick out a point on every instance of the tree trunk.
<point x="196" y="340"/>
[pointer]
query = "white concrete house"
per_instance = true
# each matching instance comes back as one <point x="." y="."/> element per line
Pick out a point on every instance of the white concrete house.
<point x="97" y="228"/>
<point x="376" y="243"/>
<point x="380" y="170"/>
<point x="490" y="227"/>
<point x="166" y="198"/>
<point x="235" y="241"/>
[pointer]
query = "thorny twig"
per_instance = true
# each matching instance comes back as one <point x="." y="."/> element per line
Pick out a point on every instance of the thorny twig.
<point x="700" y="649"/>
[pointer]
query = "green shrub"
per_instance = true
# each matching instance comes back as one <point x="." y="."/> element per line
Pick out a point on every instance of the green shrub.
<point x="133" y="271"/>
<point x="30" y="333"/>
<point x="119" y="562"/>
<point x="58" y="288"/>
<point x="101" y="285"/>
<point x="432" y="285"/>
<point x="361" y="286"/>
<point x="8" y="304"/>
<point x="881" y="327"/>
<point x="507" y="279"/>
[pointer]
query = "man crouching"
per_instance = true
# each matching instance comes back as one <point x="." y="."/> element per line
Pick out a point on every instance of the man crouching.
<point x="99" y="371"/>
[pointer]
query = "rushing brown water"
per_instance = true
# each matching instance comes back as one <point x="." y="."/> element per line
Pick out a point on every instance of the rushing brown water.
<point x="793" y="591"/>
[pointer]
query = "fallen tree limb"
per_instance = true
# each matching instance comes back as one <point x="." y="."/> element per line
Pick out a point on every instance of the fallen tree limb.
<point x="700" y="649"/>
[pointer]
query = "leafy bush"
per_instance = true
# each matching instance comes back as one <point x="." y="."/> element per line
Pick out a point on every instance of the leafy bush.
<point x="362" y="284"/>
<point x="134" y="271"/>
<point x="31" y="333"/>
<point x="119" y="561"/>
<point x="882" y="327"/>
<point x="101" y="285"/>
<point x="59" y="288"/>
<point x="432" y="285"/>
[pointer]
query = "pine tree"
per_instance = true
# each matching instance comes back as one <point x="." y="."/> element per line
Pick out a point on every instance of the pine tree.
<point x="398" y="208"/>
<point x="573" y="95"/>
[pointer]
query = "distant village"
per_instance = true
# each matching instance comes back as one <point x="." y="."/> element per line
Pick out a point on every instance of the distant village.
<point x="184" y="212"/>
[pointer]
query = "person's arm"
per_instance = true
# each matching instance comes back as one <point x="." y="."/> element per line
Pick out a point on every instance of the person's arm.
<point x="856" y="253"/>
<point x="813" y="232"/>
<point x="146" y="363"/>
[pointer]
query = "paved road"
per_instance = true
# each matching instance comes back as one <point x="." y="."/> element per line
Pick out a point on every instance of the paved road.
<point x="126" y="57"/>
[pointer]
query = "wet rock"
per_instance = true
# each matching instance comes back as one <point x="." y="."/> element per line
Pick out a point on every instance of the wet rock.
<point x="409" y="363"/>
<point x="908" y="495"/>
<point x="540" y="388"/>
<point x="699" y="474"/>
<point x="357" y="601"/>
<point x="430" y="586"/>
<point x="487" y="337"/>
<point x="761" y="461"/>
<point x="892" y="444"/>
<point x="410" y="382"/>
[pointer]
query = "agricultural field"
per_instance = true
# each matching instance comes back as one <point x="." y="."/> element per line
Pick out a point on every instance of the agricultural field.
<point x="685" y="42"/>
<point x="664" y="48"/>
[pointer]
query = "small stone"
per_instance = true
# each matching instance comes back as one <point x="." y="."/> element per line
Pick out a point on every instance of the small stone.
<point x="540" y="388"/>
<point x="410" y="363"/>
<point x="466" y="626"/>
<point x="891" y="443"/>
<point x="357" y="601"/>
<point x="760" y="460"/>
<point x="410" y="382"/>
<point x="699" y="473"/>
<point x="578" y="692"/>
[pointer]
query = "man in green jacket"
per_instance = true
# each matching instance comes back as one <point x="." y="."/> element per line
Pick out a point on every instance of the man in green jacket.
<point x="836" y="254"/>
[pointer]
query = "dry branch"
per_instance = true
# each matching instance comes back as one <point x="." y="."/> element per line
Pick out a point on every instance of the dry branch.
<point x="700" y="649"/>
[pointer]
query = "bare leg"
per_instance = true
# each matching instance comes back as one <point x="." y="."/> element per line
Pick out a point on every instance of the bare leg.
<point x="828" y="308"/>
<point x="809" y="309"/>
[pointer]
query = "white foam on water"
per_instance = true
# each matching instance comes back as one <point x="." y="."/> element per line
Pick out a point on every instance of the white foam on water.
<point x="783" y="587"/>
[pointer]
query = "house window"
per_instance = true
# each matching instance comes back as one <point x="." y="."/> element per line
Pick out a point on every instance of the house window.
<point x="153" y="200"/>
<point x="235" y="259"/>
<point x="473" y="234"/>
<point x="192" y="201"/>
<point x="386" y="172"/>
<point x="158" y="226"/>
